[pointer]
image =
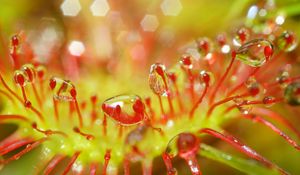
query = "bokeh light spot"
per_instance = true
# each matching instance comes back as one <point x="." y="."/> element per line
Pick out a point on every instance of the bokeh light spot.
<point x="149" y="23"/>
<point x="99" y="8"/>
<point x="76" y="48"/>
<point x="70" y="7"/>
<point x="171" y="7"/>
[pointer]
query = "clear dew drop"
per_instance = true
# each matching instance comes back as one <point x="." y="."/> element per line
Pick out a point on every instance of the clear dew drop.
<point x="287" y="41"/>
<point x="158" y="79"/>
<point x="245" y="109"/>
<point x="283" y="78"/>
<point x="125" y="109"/>
<point x="292" y="94"/>
<point x="255" y="52"/>
<point x="241" y="36"/>
<point x="62" y="89"/>
<point x="239" y="101"/>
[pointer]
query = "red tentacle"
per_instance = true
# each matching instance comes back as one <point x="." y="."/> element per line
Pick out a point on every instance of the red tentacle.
<point x="242" y="148"/>
<point x="53" y="163"/>
<point x="70" y="164"/>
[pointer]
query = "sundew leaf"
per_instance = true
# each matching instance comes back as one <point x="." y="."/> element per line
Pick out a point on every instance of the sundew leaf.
<point x="244" y="165"/>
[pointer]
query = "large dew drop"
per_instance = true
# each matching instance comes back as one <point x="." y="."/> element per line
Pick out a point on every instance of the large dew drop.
<point x="255" y="52"/>
<point x="157" y="79"/>
<point x="125" y="109"/>
<point x="292" y="94"/>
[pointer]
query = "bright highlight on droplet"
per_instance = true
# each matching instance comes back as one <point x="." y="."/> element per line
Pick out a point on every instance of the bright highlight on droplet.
<point x="225" y="48"/>
<point x="252" y="12"/>
<point x="279" y="20"/>
<point x="70" y="7"/>
<point x="76" y="48"/>
<point x="149" y="23"/>
<point x="99" y="8"/>
<point x="171" y="7"/>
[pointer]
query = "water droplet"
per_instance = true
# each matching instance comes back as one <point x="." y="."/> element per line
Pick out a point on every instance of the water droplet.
<point x="287" y="41"/>
<point x="186" y="146"/>
<point x="283" y="78"/>
<point x="239" y="101"/>
<point x="242" y="35"/>
<point x="125" y="109"/>
<point x="245" y="109"/>
<point x="292" y="94"/>
<point x="269" y="101"/>
<point x="157" y="79"/>
<point x="183" y="144"/>
<point x="252" y="86"/>
<point x="255" y="52"/>
<point x="62" y="90"/>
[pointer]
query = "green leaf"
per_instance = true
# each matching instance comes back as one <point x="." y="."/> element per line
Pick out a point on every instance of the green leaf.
<point x="244" y="165"/>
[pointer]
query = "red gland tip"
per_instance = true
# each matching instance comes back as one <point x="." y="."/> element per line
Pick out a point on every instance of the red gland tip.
<point x="52" y="83"/>
<point x="172" y="76"/>
<point x="15" y="40"/>
<point x="269" y="100"/>
<point x="27" y="104"/>
<point x="253" y="91"/>
<point x="41" y="74"/>
<point x="205" y="77"/>
<point x="289" y="38"/>
<point x="34" y="125"/>
<point x="160" y="71"/>
<point x="73" y="92"/>
<point x="268" y="51"/>
<point x="76" y="129"/>
<point x="203" y="44"/>
<point x="94" y="99"/>
<point x="186" y="60"/>
<point x="19" y="79"/>
<point x="138" y="106"/>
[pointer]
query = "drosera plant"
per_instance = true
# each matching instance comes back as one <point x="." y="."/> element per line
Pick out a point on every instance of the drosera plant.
<point x="224" y="80"/>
